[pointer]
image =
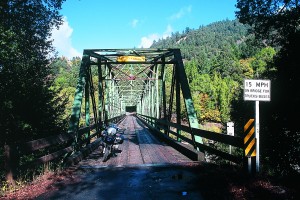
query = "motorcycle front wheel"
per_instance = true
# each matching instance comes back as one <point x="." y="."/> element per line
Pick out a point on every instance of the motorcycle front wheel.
<point x="105" y="154"/>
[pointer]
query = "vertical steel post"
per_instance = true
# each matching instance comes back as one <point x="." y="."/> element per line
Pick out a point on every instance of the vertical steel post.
<point x="193" y="121"/>
<point x="100" y="94"/>
<point x="157" y="93"/>
<point x="111" y="102"/>
<point x="152" y="102"/>
<point x="76" y="108"/>
<point x="170" y="111"/>
<point x="87" y="102"/>
<point x="92" y="96"/>
<point x="163" y="92"/>
<point x="138" y="106"/>
<point x="109" y="95"/>
<point x="163" y="89"/>
<point x="149" y="99"/>
<point x="143" y="103"/>
<point x="178" y="107"/>
<point x="106" y="98"/>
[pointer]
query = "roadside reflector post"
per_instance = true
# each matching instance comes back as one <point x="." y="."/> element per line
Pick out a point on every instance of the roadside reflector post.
<point x="249" y="142"/>
<point x="230" y="131"/>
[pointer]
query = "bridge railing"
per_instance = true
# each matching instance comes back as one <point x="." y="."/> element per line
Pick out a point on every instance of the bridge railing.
<point x="27" y="156"/>
<point x="159" y="124"/>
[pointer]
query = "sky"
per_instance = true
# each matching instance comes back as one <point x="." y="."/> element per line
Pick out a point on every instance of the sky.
<point x="117" y="24"/>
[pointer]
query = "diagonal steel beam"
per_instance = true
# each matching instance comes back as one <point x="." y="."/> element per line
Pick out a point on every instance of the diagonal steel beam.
<point x="193" y="121"/>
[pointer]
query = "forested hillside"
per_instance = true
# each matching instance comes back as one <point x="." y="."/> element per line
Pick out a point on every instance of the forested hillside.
<point x="207" y="41"/>
<point x="218" y="57"/>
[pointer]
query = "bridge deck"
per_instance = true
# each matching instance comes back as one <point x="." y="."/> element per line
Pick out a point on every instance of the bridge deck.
<point x="139" y="147"/>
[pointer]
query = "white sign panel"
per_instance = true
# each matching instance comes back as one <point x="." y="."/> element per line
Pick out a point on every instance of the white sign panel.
<point x="230" y="128"/>
<point x="257" y="90"/>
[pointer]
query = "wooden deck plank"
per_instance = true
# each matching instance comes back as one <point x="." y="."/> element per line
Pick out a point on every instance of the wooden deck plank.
<point x="140" y="146"/>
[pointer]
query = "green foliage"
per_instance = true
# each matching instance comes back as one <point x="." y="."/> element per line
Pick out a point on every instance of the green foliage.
<point x="214" y="65"/>
<point x="277" y="24"/>
<point x="227" y="93"/>
<point x="262" y="61"/>
<point x="246" y="68"/>
<point x="218" y="57"/>
<point x="272" y="20"/>
<point x="212" y="94"/>
<point x="28" y="107"/>
<point x="65" y="81"/>
<point x="208" y="42"/>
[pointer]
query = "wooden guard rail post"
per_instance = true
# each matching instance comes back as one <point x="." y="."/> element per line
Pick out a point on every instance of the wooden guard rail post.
<point x="10" y="161"/>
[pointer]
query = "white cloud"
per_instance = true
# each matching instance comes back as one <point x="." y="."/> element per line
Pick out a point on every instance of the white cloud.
<point x="134" y="23"/>
<point x="147" y="41"/>
<point x="168" y="32"/>
<point x="62" y="40"/>
<point x="181" y="13"/>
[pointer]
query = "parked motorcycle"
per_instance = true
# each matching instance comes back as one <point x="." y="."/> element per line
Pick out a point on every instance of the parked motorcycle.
<point x="112" y="137"/>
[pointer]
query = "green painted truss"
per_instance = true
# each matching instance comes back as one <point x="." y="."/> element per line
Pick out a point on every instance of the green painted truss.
<point x="151" y="80"/>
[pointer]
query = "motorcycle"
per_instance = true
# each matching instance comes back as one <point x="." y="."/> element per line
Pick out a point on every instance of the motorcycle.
<point x="112" y="137"/>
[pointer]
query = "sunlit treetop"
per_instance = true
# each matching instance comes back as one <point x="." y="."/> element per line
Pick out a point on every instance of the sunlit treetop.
<point x="271" y="19"/>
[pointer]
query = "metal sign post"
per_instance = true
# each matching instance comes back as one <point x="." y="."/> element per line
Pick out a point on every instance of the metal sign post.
<point x="257" y="90"/>
<point x="257" y="133"/>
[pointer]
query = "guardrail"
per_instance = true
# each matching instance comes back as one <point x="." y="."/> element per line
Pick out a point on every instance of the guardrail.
<point x="158" y="124"/>
<point x="45" y="150"/>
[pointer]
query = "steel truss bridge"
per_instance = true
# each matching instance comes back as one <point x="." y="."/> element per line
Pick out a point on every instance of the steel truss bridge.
<point x="133" y="80"/>
<point x="144" y="90"/>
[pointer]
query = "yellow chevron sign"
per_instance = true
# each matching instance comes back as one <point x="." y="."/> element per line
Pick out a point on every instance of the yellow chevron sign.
<point x="249" y="140"/>
<point x="131" y="58"/>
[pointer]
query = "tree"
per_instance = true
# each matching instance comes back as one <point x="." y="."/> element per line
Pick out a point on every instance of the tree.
<point x="275" y="20"/>
<point x="263" y="61"/>
<point x="28" y="107"/>
<point x="277" y="23"/>
<point x="66" y="77"/>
